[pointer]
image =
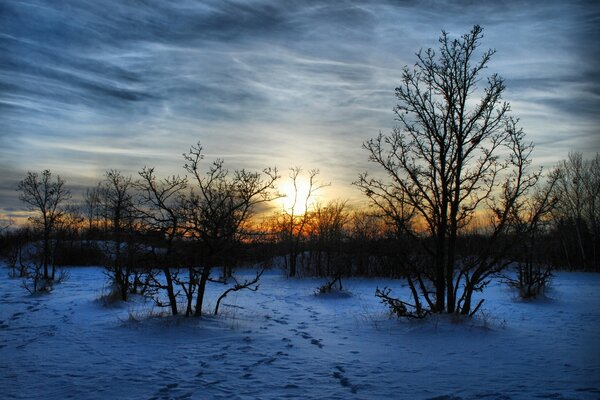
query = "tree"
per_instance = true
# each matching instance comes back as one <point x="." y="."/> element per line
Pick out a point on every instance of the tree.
<point x="527" y="222"/>
<point x="92" y="209"/>
<point x="443" y="166"/>
<point x="161" y="209"/>
<point x="218" y="211"/>
<point x="45" y="196"/>
<point x="327" y="233"/>
<point x="117" y="196"/>
<point x="292" y="222"/>
<point x="366" y="235"/>
<point x="578" y="210"/>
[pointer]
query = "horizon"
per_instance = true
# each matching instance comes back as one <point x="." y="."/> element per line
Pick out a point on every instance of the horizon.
<point x="93" y="86"/>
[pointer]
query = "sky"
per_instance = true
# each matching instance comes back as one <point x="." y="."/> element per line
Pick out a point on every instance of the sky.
<point x="91" y="85"/>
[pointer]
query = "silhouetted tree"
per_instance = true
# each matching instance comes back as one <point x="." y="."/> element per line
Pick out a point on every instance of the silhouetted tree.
<point x="443" y="163"/>
<point x="291" y="224"/>
<point x="577" y="214"/>
<point x="45" y="196"/>
<point x="327" y="234"/>
<point x="218" y="211"/>
<point x="528" y="222"/>
<point x="366" y="232"/>
<point x="117" y="198"/>
<point x="161" y="208"/>
<point x="92" y="209"/>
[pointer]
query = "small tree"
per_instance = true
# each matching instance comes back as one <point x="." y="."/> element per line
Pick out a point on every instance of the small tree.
<point x="443" y="163"/>
<point x="327" y="234"/>
<point x="366" y="235"/>
<point x="577" y="213"/>
<point x="527" y="222"/>
<point x="14" y="243"/>
<point x="161" y="209"/>
<point x="92" y="210"/>
<point x="218" y="211"/>
<point x="117" y="198"/>
<point x="292" y="223"/>
<point x="44" y="196"/>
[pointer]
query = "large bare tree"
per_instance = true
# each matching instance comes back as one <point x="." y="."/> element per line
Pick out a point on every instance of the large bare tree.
<point x="455" y="152"/>
<point x="45" y="196"/>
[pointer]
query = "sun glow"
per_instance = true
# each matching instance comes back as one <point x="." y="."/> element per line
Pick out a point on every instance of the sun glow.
<point x="296" y="198"/>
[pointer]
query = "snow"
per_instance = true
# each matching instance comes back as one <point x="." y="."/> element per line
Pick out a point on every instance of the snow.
<point x="285" y="342"/>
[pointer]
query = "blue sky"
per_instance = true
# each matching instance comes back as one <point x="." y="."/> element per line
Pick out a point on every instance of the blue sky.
<point x="90" y="85"/>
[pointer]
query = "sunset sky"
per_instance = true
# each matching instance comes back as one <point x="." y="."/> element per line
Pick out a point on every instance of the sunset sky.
<point x="90" y="85"/>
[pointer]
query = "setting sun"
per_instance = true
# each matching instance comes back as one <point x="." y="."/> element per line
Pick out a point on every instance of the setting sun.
<point x="296" y="198"/>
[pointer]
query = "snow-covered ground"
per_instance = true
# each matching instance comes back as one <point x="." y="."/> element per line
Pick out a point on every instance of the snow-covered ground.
<point x="285" y="342"/>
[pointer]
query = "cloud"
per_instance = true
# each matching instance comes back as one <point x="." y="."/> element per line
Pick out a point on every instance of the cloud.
<point x="91" y="85"/>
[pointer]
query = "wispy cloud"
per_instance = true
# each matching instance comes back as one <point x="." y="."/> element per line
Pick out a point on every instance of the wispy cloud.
<point x="90" y="85"/>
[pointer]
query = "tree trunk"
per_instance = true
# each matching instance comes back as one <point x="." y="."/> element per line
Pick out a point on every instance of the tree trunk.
<point x="46" y="252"/>
<point x="293" y="259"/>
<point x="190" y="291"/>
<point x="170" y="291"/>
<point x="450" y="292"/>
<point x="201" y="287"/>
<point x="440" y="268"/>
<point x="466" y="306"/>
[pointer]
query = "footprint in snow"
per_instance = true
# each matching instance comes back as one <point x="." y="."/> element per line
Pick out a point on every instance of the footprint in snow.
<point x="16" y="315"/>
<point x="339" y="375"/>
<point x="304" y="335"/>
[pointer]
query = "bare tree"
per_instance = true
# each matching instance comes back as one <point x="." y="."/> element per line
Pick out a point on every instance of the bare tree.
<point x="117" y="197"/>
<point x="366" y="232"/>
<point x="14" y="243"/>
<point x="45" y="196"/>
<point x="218" y="212"/>
<point x="327" y="234"/>
<point x="292" y="223"/>
<point x="92" y="209"/>
<point x="528" y="221"/>
<point x="161" y="209"/>
<point x="443" y="164"/>
<point x="578" y="210"/>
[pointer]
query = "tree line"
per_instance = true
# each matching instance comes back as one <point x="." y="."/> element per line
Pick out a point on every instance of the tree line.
<point x="453" y="201"/>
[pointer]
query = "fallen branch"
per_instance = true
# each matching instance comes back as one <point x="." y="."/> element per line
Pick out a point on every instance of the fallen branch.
<point x="240" y="286"/>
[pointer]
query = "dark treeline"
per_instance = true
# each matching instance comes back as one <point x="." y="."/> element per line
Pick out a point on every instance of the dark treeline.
<point x="331" y="238"/>
<point x="157" y="236"/>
